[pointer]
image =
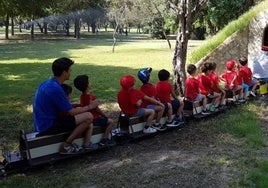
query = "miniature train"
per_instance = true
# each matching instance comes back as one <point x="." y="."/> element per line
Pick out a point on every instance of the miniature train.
<point x="35" y="150"/>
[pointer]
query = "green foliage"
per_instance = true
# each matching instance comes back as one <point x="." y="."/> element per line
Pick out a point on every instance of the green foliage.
<point x="234" y="26"/>
<point x="258" y="177"/>
<point x="245" y="125"/>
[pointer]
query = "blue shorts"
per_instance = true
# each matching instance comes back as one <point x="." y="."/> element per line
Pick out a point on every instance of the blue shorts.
<point x="140" y="112"/>
<point x="175" y="106"/>
<point x="101" y="121"/>
<point x="245" y="87"/>
<point x="198" y="98"/>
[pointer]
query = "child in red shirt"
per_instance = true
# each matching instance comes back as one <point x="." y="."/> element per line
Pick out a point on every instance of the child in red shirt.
<point x="149" y="89"/>
<point x="130" y="101"/>
<point x="164" y="92"/>
<point x="82" y="83"/>
<point x="216" y="85"/>
<point x="246" y="75"/>
<point x="230" y="77"/>
<point x="205" y="85"/>
<point x="192" y="92"/>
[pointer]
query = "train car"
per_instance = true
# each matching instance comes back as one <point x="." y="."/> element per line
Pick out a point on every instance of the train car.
<point x="36" y="150"/>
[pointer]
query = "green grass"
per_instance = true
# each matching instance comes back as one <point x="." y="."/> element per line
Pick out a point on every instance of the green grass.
<point x="24" y="64"/>
<point x="235" y="26"/>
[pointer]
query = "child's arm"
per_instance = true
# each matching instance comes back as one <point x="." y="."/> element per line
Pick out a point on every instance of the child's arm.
<point x="174" y="95"/>
<point x="153" y="101"/>
<point x="100" y="111"/>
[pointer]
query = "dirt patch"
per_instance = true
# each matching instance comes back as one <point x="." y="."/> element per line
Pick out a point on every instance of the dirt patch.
<point x="194" y="156"/>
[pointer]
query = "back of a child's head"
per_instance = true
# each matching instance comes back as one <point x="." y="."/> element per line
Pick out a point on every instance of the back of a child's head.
<point x="230" y="65"/>
<point x="191" y="69"/>
<point x="67" y="89"/>
<point x="214" y="65"/>
<point x="163" y="75"/>
<point x="81" y="82"/>
<point x="207" y="66"/>
<point x="127" y="81"/>
<point x="243" y="61"/>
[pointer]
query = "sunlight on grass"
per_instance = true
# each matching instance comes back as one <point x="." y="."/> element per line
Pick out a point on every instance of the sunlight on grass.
<point x="234" y="26"/>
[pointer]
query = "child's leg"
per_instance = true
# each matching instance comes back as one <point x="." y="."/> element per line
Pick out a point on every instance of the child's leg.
<point x="150" y="116"/>
<point x="205" y="101"/>
<point x="160" y="111"/>
<point x="216" y="99"/>
<point x="180" y="109"/>
<point x="169" y="113"/>
<point x="108" y="128"/>
<point x="223" y="95"/>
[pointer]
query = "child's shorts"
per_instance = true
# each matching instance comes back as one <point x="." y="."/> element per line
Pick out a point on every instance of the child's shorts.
<point x="198" y="98"/>
<point x="245" y="87"/>
<point x="101" y="121"/>
<point x="175" y="106"/>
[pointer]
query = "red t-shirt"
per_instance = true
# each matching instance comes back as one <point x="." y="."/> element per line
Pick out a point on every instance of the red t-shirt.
<point x="215" y="81"/>
<point x="127" y="100"/>
<point x="149" y="90"/>
<point x="163" y="90"/>
<point x="85" y="99"/>
<point x="205" y="84"/>
<point x="228" y="77"/>
<point x="246" y="74"/>
<point x="191" y="88"/>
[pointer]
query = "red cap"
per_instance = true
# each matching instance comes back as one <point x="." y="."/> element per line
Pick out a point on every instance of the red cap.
<point x="127" y="81"/>
<point x="230" y="64"/>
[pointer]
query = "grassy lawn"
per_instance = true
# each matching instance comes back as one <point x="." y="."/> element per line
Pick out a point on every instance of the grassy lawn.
<point x="24" y="64"/>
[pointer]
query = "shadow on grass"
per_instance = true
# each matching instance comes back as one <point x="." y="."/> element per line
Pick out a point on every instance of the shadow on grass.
<point x="19" y="82"/>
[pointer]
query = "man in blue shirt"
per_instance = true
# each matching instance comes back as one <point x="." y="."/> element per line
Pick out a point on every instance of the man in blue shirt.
<point x="53" y="112"/>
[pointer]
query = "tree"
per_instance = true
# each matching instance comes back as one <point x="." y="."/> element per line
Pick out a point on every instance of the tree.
<point x="187" y="11"/>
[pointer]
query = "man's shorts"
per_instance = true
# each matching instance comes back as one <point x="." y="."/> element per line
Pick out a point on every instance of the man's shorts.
<point x="60" y="125"/>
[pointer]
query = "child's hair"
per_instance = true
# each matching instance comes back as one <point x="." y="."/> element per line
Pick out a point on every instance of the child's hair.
<point x="67" y="89"/>
<point x="213" y="65"/>
<point x="191" y="69"/>
<point x="206" y="67"/>
<point x="243" y="61"/>
<point x="81" y="82"/>
<point x="163" y="75"/>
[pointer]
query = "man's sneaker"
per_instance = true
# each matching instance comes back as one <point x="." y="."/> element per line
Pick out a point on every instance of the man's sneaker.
<point x="90" y="146"/>
<point x="149" y="130"/>
<point x="205" y="112"/>
<point x="159" y="127"/>
<point x="69" y="150"/>
<point x="252" y="93"/>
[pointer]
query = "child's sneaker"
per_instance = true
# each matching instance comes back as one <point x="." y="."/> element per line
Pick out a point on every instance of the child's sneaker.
<point x="205" y="112"/>
<point x="241" y="100"/>
<point x="105" y="142"/>
<point x="90" y="146"/>
<point x="177" y="121"/>
<point x="212" y="108"/>
<point x="159" y="127"/>
<point x="252" y="93"/>
<point x="172" y="123"/>
<point x="149" y="130"/>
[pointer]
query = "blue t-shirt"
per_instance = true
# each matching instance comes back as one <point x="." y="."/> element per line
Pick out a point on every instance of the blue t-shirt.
<point x="49" y="100"/>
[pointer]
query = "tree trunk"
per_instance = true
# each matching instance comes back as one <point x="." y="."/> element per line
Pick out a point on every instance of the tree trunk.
<point x="7" y="25"/>
<point x="32" y="28"/>
<point x="12" y="26"/>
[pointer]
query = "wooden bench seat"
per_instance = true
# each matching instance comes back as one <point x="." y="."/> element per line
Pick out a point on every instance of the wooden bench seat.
<point x="39" y="148"/>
